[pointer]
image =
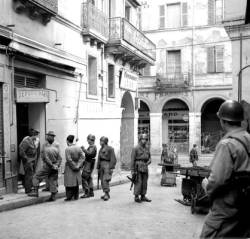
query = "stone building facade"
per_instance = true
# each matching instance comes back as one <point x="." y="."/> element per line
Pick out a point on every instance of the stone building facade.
<point x="71" y="67"/>
<point x="180" y="95"/>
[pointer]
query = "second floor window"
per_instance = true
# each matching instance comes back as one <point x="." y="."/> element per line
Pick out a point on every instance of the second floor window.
<point x="215" y="59"/>
<point x="174" y="62"/>
<point x="173" y="15"/>
<point x="127" y="12"/>
<point x="92" y="75"/>
<point x="111" y="81"/>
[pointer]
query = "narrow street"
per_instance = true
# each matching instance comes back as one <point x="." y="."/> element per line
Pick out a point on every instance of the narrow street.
<point x="118" y="218"/>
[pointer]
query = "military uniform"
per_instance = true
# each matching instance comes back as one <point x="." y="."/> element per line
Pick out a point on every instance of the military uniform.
<point x="72" y="175"/>
<point x="51" y="158"/>
<point x="140" y="159"/>
<point x="28" y="152"/>
<point x="88" y="167"/>
<point x="193" y="157"/>
<point x="106" y="163"/>
<point x="225" y="217"/>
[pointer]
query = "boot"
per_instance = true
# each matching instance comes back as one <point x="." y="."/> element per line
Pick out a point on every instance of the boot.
<point x="145" y="199"/>
<point x="106" y="197"/>
<point x="34" y="192"/>
<point x="52" y="198"/>
<point x="86" y="194"/>
<point x="91" y="193"/>
<point x="137" y="199"/>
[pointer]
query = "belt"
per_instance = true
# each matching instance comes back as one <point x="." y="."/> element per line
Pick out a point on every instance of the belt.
<point x="107" y="160"/>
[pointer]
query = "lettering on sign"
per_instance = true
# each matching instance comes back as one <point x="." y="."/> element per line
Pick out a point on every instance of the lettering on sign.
<point x="26" y="95"/>
<point x="179" y="115"/>
<point x="51" y="5"/>
<point x="128" y="81"/>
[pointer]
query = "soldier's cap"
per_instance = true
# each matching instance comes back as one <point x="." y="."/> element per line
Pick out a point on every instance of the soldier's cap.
<point x="33" y="132"/>
<point x="91" y="137"/>
<point x="104" y="139"/>
<point x="51" y="133"/>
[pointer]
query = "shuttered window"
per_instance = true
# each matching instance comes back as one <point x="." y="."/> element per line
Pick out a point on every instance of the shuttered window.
<point x="211" y="12"/>
<point x="218" y="11"/>
<point x="162" y="16"/>
<point x="27" y="81"/>
<point x="215" y="59"/>
<point x="174" y="62"/>
<point x="184" y="14"/>
<point x="1" y="138"/>
<point x="173" y="15"/>
<point x="92" y="75"/>
<point x="111" y="81"/>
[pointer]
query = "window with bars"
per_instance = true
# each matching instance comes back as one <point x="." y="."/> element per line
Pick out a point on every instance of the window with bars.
<point x="215" y="59"/>
<point x="92" y="75"/>
<point x="215" y="11"/>
<point x="111" y="81"/>
<point x="173" y="15"/>
<point x="28" y="81"/>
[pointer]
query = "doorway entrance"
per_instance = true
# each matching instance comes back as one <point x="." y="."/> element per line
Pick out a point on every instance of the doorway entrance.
<point x="30" y="115"/>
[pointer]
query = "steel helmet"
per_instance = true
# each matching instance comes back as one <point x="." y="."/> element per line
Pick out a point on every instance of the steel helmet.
<point x="231" y="110"/>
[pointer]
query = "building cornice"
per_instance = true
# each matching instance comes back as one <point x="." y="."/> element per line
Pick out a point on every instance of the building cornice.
<point x="235" y="31"/>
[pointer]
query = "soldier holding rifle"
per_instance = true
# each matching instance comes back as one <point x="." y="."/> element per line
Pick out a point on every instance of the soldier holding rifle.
<point x="140" y="159"/>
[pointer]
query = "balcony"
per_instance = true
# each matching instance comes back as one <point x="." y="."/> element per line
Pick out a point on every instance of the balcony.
<point x="173" y="80"/>
<point x="127" y="42"/>
<point x="95" y="23"/>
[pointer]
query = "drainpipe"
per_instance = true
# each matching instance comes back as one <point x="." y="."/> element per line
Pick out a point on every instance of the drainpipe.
<point x="240" y="72"/>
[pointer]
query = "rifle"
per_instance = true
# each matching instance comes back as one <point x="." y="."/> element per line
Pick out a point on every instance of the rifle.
<point x="98" y="179"/>
<point x="133" y="179"/>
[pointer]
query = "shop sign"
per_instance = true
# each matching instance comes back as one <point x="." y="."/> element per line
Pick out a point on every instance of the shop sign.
<point x="27" y="95"/>
<point x="128" y="81"/>
<point x="178" y="115"/>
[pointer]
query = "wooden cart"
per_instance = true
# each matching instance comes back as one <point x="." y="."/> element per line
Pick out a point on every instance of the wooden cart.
<point x="168" y="174"/>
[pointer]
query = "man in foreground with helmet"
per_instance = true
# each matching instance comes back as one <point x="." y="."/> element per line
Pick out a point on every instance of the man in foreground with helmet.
<point x="105" y="166"/>
<point x="88" y="167"/>
<point x="228" y="184"/>
<point x="140" y="159"/>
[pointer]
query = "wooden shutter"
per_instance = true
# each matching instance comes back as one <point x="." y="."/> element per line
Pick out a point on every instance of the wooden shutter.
<point x="184" y="14"/>
<point x="111" y="81"/>
<point x="210" y="60"/>
<point x="219" y="51"/>
<point x="211" y="12"/>
<point x="162" y="16"/>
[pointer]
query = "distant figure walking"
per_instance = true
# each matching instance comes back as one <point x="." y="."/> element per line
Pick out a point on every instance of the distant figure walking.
<point x="193" y="156"/>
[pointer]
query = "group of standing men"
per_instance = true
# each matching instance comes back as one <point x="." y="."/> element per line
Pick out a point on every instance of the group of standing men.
<point x="79" y="166"/>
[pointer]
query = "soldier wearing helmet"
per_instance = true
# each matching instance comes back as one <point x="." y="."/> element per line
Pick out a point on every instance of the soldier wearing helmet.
<point x="105" y="166"/>
<point x="140" y="159"/>
<point x="88" y="167"/>
<point x="228" y="184"/>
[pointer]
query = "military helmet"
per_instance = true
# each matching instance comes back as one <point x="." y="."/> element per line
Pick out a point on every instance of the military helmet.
<point x="91" y="137"/>
<point x="143" y="136"/>
<point x="104" y="139"/>
<point x="231" y="110"/>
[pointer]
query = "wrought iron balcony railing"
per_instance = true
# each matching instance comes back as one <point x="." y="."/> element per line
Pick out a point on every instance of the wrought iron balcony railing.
<point x="95" y="22"/>
<point x="173" y="80"/>
<point x="121" y="29"/>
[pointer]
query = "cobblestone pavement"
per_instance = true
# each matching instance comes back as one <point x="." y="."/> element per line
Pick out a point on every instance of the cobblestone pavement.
<point x="118" y="218"/>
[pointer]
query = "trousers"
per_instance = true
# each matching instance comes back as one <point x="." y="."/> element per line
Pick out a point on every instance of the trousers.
<point x="50" y="174"/>
<point x="141" y="185"/>
<point x="87" y="182"/>
<point x="105" y="176"/>
<point x="72" y="192"/>
<point x="29" y="171"/>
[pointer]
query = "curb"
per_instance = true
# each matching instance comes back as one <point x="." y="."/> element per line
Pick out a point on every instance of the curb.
<point x="28" y="201"/>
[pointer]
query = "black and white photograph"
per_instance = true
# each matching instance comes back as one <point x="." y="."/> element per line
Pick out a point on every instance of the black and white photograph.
<point x="124" y="119"/>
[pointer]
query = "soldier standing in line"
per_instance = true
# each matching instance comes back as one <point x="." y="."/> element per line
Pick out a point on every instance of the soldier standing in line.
<point x="52" y="161"/>
<point x="72" y="175"/>
<point x="88" y="167"/>
<point x="228" y="184"/>
<point x="193" y="156"/>
<point x="105" y="166"/>
<point x="140" y="159"/>
<point x="29" y="150"/>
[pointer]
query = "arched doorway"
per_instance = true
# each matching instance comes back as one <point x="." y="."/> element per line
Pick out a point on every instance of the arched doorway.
<point x="175" y="125"/>
<point x="127" y="130"/>
<point x="144" y="119"/>
<point x="211" y="131"/>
